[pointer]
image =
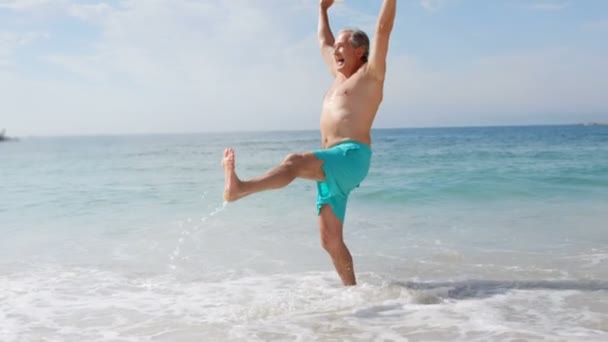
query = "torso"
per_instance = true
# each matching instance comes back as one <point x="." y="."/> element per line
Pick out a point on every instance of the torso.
<point x="349" y="108"/>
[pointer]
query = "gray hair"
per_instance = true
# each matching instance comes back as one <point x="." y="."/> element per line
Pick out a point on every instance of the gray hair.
<point x="358" y="38"/>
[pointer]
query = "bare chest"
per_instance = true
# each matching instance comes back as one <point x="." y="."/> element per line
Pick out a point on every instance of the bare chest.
<point x="343" y="91"/>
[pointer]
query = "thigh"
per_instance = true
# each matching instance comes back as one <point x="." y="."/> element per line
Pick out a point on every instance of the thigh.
<point x="310" y="167"/>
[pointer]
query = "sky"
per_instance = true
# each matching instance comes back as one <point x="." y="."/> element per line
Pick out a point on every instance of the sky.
<point x="169" y="66"/>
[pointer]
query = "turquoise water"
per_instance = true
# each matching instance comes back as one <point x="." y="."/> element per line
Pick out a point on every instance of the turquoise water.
<point x="457" y="234"/>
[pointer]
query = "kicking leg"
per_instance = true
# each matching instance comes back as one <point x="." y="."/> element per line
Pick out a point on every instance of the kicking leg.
<point x="333" y="242"/>
<point x="305" y="165"/>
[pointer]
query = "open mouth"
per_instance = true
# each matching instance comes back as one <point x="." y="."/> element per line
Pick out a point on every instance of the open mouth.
<point x="340" y="61"/>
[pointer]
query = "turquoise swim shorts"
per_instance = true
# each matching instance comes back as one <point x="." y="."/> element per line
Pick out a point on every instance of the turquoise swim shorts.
<point x="346" y="165"/>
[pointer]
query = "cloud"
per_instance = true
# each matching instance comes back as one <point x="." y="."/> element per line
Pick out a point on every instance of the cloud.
<point x="90" y="12"/>
<point x="548" y="6"/>
<point x="7" y="47"/>
<point x="543" y="85"/>
<point x="33" y="5"/>
<point x="432" y="5"/>
<point x="10" y="42"/>
<point x="188" y="65"/>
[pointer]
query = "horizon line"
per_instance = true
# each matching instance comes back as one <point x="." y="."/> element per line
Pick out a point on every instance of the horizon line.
<point x="158" y="133"/>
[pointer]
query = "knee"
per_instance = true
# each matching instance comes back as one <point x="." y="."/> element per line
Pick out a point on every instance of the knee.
<point x="330" y="242"/>
<point x="292" y="161"/>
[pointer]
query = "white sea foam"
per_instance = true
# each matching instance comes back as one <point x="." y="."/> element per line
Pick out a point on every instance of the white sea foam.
<point x="75" y="304"/>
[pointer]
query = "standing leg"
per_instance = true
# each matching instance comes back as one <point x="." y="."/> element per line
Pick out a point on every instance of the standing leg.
<point x="333" y="242"/>
<point x="305" y="165"/>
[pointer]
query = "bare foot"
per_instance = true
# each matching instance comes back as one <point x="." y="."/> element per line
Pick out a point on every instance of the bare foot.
<point x="231" y="181"/>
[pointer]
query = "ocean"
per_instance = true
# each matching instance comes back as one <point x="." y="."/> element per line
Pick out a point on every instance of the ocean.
<point x="457" y="234"/>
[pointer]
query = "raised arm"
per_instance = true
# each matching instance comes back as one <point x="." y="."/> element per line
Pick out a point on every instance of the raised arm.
<point x="326" y="38"/>
<point x="379" y="49"/>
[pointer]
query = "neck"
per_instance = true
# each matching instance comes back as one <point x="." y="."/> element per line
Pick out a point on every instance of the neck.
<point x="348" y="73"/>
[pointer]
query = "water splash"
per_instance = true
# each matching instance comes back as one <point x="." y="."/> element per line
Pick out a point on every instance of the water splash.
<point x="175" y="255"/>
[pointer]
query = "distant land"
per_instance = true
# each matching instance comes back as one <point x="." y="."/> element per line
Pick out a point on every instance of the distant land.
<point x="3" y="136"/>
<point x="593" y="124"/>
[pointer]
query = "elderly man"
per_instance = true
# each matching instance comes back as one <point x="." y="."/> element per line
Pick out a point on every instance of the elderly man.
<point x="349" y="109"/>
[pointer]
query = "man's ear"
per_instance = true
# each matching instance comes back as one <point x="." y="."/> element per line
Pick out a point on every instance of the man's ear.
<point x="360" y="51"/>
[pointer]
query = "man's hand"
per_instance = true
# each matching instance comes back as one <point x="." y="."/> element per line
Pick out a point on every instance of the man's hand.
<point x="325" y="4"/>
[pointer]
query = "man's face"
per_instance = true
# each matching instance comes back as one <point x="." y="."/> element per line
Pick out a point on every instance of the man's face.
<point x="345" y="55"/>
